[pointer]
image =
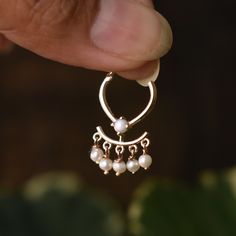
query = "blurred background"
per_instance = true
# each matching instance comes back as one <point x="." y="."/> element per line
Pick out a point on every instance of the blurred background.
<point x="49" y="113"/>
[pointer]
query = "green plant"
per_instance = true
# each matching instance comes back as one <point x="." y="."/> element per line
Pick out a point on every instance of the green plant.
<point x="58" y="205"/>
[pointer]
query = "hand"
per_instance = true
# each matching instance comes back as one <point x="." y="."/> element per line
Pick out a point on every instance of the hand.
<point x="5" y="45"/>
<point x="124" y="36"/>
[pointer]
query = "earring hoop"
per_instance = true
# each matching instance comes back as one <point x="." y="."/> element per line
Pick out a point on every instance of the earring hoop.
<point x="107" y="109"/>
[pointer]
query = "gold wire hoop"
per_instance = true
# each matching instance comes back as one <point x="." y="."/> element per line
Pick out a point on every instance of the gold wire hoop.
<point x="107" y="109"/>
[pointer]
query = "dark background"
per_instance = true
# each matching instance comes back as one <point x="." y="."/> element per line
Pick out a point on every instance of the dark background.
<point x="49" y="111"/>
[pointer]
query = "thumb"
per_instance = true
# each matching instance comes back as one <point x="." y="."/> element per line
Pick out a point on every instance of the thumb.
<point x="108" y="35"/>
<point x="131" y="30"/>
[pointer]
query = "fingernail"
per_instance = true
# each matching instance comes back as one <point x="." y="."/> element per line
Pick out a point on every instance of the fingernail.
<point x="153" y="77"/>
<point x="166" y="37"/>
<point x="129" y="29"/>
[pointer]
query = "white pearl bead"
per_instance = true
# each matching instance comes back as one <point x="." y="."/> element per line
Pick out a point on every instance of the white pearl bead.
<point x="119" y="167"/>
<point x="132" y="165"/>
<point x="106" y="165"/>
<point x="121" y="125"/>
<point x="145" y="161"/>
<point x="96" y="154"/>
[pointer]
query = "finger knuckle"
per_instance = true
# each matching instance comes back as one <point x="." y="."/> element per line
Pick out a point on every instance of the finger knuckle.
<point x="53" y="14"/>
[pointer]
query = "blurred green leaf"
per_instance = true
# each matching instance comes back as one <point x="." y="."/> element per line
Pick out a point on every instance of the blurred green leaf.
<point x="78" y="214"/>
<point x="16" y="217"/>
<point x="171" y="210"/>
<point x="52" y="205"/>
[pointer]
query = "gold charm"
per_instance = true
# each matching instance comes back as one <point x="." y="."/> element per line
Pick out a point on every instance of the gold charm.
<point x="101" y="150"/>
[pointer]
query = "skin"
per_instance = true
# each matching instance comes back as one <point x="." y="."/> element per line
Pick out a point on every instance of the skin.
<point x="124" y="36"/>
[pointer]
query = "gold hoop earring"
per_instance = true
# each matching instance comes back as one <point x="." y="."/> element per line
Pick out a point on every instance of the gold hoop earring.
<point x="101" y="153"/>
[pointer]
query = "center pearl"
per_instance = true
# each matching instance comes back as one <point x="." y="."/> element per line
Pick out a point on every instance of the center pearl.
<point x="121" y="125"/>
